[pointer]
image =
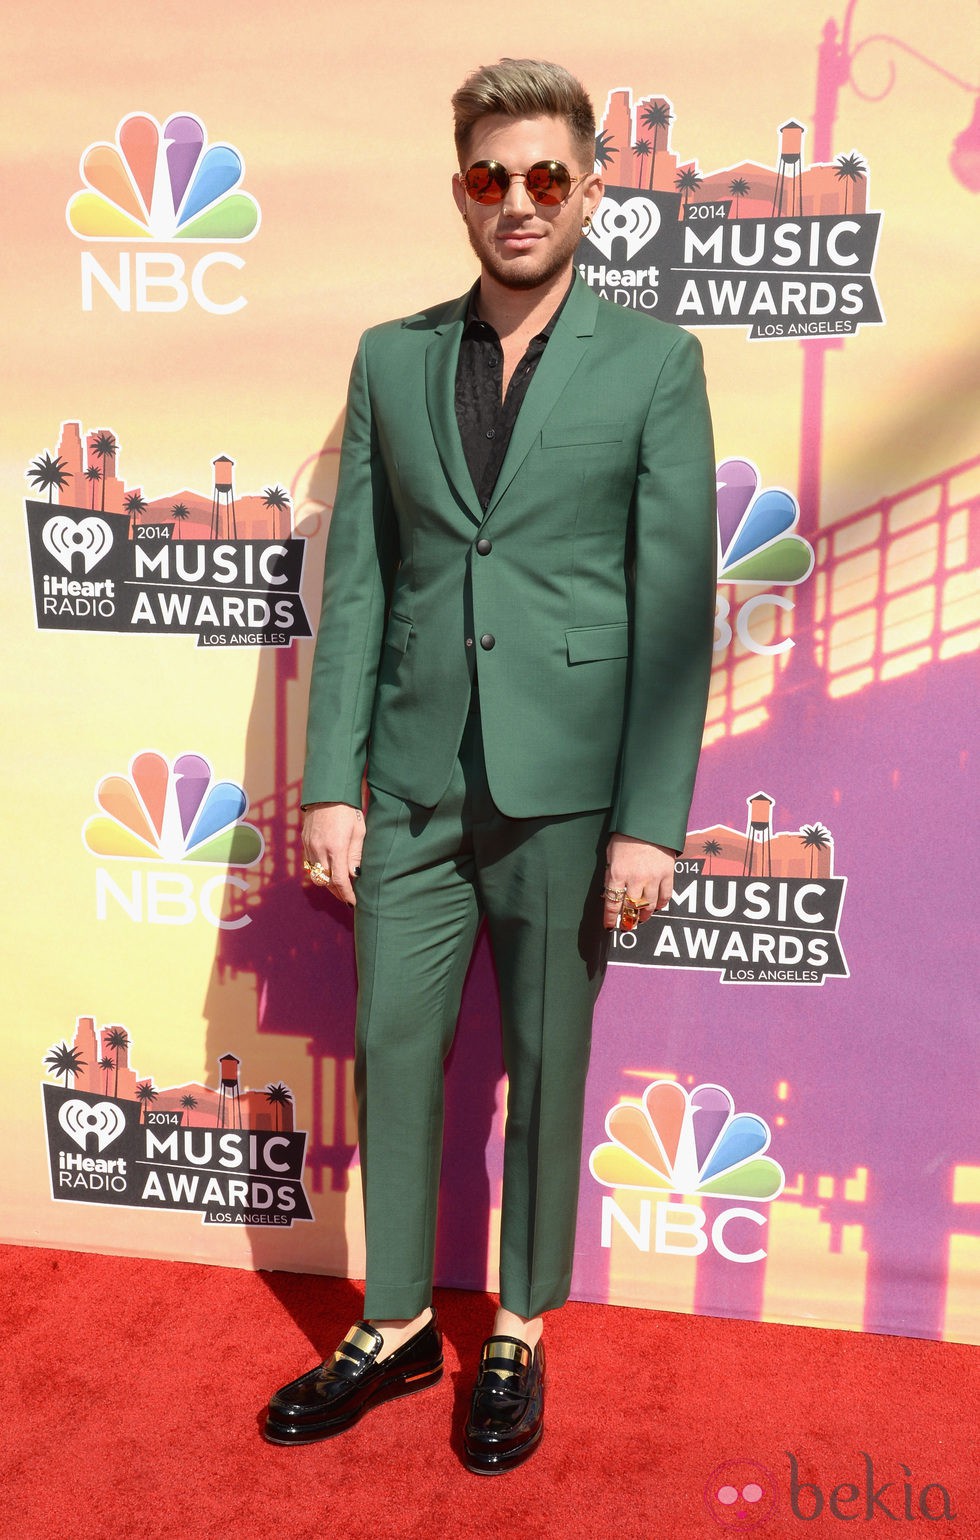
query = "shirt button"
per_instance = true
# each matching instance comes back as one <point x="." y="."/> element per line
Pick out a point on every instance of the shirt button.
<point x="469" y="641"/>
<point x="491" y="433"/>
<point x="484" y="546"/>
<point x="488" y="642"/>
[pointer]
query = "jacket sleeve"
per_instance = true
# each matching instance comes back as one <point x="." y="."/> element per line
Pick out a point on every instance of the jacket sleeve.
<point x="362" y="556"/>
<point x="675" y="531"/>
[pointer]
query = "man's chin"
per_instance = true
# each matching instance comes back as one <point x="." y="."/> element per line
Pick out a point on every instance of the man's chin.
<point x="514" y="275"/>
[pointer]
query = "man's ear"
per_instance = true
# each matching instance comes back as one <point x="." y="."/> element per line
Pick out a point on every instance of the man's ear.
<point x="594" y="192"/>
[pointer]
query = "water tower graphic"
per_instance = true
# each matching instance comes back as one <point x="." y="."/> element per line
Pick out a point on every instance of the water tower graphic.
<point x="788" y="196"/>
<point x="229" y="1093"/>
<point x="223" y="499"/>
<point x="758" y="835"/>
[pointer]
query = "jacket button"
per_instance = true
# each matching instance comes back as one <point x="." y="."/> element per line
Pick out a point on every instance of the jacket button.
<point x="488" y="642"/>
<point x="484" y="546"/>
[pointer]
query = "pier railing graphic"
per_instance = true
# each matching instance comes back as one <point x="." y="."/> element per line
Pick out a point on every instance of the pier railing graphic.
<point x="893" y="590"/>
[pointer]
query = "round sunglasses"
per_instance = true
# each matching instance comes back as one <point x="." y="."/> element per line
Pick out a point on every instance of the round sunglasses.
<point x="547" y="182"/>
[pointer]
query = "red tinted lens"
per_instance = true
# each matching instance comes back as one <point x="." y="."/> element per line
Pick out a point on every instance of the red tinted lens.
<point x="548" y="182"/>
<point x="486" y="181"/>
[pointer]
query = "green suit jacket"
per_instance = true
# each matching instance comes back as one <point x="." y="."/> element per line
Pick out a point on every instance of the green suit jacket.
<point x="589" y="621"/>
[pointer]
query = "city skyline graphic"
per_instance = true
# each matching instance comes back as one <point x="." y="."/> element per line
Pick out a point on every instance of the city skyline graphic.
<point x="96" y="1061"/>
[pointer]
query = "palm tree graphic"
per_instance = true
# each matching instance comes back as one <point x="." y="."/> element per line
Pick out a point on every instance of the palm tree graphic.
<point x="146" y="1094"/>
<point x="93" y="474"/>
<point x="106" y="1064"/>
<point x="65" y="1061"/>
<point x="46" y="473"/>
<point x="688" y="181"/>
<point x="277" y="499"/>
<point x="104" y="445"/>
<point x="189" y="1102"/>
<point x="134" y="505"/>
<point x="850" y="168"/>
<point x="117" y="1038"/>
<point x="277" y="1096"/>
<point x="641" y="149"/>
<point x="655" y="115"/>
<point x="711" y="849"/>
<point x="814" y="837"/>
<point x="603" y="150"/>
<point x="179" y="512"/>
<point x="739" y="188"/>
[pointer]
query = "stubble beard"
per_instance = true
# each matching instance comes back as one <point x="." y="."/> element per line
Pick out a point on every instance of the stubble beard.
<point x="510" y="276"/>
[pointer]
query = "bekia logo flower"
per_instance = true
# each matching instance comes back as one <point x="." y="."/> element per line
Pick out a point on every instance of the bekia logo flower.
<point x="172" y="812"/>
<point x="687" y="1142"/>
<point x="164" y="183"/>
<point x="755" y="543"/>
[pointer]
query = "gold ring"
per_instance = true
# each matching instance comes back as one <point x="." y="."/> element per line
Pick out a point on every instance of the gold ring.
<point x="630" y="913"/>
<point x="614" y="895"/>
<point x="317" y="874"/>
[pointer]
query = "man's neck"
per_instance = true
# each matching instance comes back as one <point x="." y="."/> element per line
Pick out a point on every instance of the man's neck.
<point x="511" y="311"/>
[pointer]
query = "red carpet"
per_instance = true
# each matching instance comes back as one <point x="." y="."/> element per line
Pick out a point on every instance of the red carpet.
<point x="135" y="1392"/>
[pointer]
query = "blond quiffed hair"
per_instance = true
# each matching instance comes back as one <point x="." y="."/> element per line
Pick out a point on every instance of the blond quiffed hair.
<point x="525" y="88"/>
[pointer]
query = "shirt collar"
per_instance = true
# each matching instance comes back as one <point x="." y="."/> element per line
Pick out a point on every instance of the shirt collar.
<point x="473" y="325"/>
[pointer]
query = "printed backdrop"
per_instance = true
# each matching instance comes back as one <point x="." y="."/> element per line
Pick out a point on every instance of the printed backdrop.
<point x="204" y="215"/>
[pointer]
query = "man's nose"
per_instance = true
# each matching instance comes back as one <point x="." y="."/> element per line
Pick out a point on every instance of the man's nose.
<point x="515" y="200"/>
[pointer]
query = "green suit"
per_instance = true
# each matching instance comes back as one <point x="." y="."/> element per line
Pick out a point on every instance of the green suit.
<point x="582" y="602"/>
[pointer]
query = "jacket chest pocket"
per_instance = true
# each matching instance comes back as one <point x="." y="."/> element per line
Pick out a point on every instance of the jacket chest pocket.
<point x="586" y="435"/>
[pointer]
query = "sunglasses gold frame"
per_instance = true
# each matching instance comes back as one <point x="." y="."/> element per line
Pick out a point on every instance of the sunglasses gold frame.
<point x="499" y="180"/>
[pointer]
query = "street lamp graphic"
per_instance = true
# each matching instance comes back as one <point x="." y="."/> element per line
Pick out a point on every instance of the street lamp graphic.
<point x="835" y="70"/>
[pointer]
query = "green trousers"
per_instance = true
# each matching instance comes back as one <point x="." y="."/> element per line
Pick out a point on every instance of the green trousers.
<point x="429" y="876"/>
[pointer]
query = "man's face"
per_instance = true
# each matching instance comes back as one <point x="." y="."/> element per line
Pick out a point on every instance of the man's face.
<point x="521" y="243"/>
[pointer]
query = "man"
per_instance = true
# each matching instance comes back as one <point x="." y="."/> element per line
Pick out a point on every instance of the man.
<point x="515" y="644"/>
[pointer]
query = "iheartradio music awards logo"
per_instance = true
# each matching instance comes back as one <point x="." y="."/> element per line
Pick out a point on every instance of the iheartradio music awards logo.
<point x="786" y="249"/>
<point x="229" y="1153"/>
<point x="159" y="185"/>
<point x="686" y="1143"/>
<point x="757" y="908"/>
<point x="221" y="565"/>
<point x="171" y="814"/>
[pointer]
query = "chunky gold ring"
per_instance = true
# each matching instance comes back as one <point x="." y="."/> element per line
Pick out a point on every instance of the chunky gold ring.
<point x="317" y="874"/>
<point x="630" y="913"/>
<point x="614" y="895"/>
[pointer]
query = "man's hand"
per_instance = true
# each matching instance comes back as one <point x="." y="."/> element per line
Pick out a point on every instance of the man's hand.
<point x="333" y="834"/>
<point x="645" y="871"/>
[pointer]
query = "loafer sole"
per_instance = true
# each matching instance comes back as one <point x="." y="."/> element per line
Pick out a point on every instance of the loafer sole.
<point x="486" y="1462"/>
<point x="286" y="1430"/>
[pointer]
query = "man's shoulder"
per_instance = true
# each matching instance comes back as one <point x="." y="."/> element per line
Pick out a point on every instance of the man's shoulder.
<point x="420" y="323"/>
<point x="628" y="326"/>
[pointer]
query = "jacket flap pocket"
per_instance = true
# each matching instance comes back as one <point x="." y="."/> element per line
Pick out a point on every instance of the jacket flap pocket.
<point x="398" y="633"/>
<point x="566" y="436"/>
<point x="587" y="644"/>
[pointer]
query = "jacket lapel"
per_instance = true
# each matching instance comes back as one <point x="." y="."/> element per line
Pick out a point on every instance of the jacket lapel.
<point x="566" y="347"/>
<point x="440" y="394"/>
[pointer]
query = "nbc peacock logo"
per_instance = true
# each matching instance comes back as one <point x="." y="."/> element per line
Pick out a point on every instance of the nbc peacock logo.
<point x="678" y="1141"/>
<point x="758" y="545"/>
<point x="159" y="184"/>
<point x="172" y="814"/>
<point x="756" y="542"/>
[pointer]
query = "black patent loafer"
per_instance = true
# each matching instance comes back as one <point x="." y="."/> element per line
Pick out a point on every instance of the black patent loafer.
<point x="329" y="1399"/>
<point x="507" y="1411"/>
